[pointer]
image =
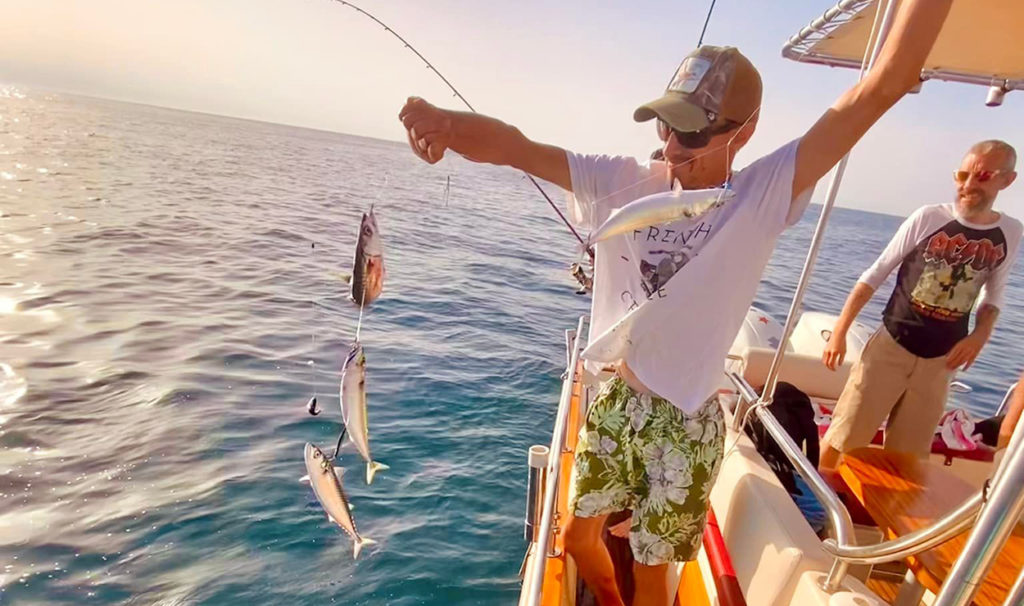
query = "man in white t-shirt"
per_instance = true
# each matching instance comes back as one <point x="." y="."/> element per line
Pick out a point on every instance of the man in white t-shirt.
<point x="669" y="298"/>
<point x="949" y="255"/>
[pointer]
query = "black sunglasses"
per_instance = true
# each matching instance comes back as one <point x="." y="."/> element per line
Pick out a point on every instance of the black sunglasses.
<point x="694" y="139"/>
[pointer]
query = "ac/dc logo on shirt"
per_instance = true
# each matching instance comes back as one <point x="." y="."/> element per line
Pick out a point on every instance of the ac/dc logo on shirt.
<point x="981" y="254"/>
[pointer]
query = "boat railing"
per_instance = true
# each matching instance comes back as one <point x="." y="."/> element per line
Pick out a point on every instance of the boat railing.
<point x="543" y="545"/>
<point x="1005" y="483"/>
<point x="1006" y="400"/>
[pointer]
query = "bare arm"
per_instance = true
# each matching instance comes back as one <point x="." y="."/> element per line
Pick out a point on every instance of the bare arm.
<point x="968" y="348"/>
<point x="985" y="320"/>
<point x="432" y="130"/>
<point x="896" y="71"/>
<point x="1012" y="414"/>
<point x="835" y="350"/>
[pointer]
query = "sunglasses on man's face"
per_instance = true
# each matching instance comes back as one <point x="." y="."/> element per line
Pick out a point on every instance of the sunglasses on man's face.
<point x="981" y="176"/>
<point x="695" y="139"/>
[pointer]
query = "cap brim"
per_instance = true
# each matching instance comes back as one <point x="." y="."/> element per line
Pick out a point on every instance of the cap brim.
<point x="674" y="109"/>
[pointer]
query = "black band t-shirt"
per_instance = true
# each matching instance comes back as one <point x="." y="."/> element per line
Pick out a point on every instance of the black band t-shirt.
<point x="946" y="264"/>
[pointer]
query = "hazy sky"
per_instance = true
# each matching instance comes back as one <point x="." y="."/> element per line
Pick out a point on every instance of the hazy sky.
<point x="567" y="72"/>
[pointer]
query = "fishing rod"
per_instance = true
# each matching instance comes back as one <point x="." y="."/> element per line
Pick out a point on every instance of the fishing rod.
<point x="431" y="67"/>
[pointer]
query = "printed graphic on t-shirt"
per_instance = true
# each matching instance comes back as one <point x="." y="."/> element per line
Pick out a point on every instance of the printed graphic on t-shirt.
<point x="954" y="270"/>
<point x="661" y="251"/>
<point x="938" y="284"/>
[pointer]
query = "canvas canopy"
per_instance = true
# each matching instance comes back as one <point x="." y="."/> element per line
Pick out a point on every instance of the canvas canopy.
<point x="980" y="43"/>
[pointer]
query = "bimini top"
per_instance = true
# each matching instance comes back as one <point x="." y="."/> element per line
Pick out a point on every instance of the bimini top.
<point x="979" y="44"/>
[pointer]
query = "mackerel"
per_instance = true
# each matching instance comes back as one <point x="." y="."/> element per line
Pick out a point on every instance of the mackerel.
<point x="325" y="479"/>
<point x="353" y="407"/>
<point x="661" y="208"/>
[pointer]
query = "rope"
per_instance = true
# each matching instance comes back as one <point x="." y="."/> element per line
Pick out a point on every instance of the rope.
<point x="454" y="90"/>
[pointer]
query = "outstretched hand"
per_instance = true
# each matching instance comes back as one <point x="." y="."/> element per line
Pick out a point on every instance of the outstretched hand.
<point x="429" y="129"/>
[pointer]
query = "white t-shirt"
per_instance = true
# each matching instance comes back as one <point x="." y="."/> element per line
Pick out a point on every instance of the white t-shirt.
<point x="669" y="299"/>
<point x="946" y="265"/>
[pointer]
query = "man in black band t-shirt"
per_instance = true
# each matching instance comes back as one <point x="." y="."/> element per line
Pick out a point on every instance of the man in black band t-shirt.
<point x="949" y="256"/>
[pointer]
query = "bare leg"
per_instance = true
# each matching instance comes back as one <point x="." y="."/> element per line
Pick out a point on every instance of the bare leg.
<point x="829" y="458"/>
<point x="584" y="542"/>
<point x="651" y="585"/>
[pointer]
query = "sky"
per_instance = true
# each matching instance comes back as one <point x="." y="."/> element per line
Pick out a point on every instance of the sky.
<point x="569" y="73"/>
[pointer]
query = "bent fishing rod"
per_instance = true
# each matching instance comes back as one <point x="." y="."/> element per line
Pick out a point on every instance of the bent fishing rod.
<point x="454" y="90"/>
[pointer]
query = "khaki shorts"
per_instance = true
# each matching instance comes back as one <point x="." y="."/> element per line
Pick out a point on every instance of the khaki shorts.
<point x="642" y="453"/>
<point x="889" y="381"/>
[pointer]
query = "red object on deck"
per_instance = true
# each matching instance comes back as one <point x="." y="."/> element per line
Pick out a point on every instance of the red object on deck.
<point x="728" y="587"/>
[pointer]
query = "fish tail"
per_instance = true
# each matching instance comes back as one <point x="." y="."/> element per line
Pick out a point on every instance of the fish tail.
<point x="358" y="545"/>
<point x="372" y="468"/>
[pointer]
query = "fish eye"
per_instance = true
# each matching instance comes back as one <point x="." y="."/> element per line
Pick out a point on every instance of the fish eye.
<point x="316" y="454"/>
<point x="368" y="230"/>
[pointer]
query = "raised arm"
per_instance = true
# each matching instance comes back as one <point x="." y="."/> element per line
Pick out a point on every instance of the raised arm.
<point x="835" y="350"/>
<point x="432" y="130"/>
<point x="896" y="71"/>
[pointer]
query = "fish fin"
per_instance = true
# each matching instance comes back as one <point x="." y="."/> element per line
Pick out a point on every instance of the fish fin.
<point x="304" y="479"/>
<point x="331" y="519"/>
<point x="346" y="278"/>
<point x="371" y="470"/>
<point x="358" y="545"/>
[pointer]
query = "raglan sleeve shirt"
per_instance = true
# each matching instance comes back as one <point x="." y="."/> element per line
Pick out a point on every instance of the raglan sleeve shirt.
<point x="992" y="290"/>
<point x="906" y="238"/>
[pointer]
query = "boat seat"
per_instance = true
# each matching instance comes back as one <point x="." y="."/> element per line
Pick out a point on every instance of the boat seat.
<point x="807" y="373"/>
<point x="771" y="543"/>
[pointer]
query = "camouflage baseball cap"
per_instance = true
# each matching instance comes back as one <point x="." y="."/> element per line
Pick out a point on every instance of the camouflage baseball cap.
<point x="714" y="84"/>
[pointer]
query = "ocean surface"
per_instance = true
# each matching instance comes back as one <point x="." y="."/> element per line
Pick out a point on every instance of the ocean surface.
<point x="164" y="317"/>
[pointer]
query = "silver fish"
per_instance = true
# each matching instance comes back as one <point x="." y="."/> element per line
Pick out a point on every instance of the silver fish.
<point x="661" y="208"/>
<point x="325" y="480"/>
<point x="368" y="266"/>
<point x="353" y="407"/>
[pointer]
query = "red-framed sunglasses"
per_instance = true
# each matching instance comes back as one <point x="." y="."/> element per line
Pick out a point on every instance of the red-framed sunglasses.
<point x="694" y="139"/>
<point x="961" y="176"/>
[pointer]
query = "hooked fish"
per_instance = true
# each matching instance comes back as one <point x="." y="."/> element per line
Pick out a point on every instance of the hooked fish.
<point x="368" y="266"/>
<point x="661" y="208"/>
<point x="353" y="407"/>
<point x="325" y="480"/>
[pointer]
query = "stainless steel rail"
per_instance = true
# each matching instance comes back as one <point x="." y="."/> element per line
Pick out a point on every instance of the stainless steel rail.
<point x="884" y="21"/>
<point x="1006" y="400"/>
<point x="1016" y="595"/>
<point x="944" y="529"/>
<point x="994" y="526"/>
<point x="535" y="574"/>
<point x="843" y="547"/>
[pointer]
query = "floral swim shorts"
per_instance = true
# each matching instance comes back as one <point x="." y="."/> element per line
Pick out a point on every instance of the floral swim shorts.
<point x="642" y="453"/>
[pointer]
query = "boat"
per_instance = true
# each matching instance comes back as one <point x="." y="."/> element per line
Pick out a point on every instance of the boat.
<point x="758" y="547"/>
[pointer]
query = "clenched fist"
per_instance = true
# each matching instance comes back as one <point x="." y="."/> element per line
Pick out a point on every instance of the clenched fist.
<point x="428" y="128"/>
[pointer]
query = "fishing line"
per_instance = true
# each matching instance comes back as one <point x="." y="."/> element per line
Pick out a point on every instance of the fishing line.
<point x="312" y="409"/>
<point x="359" y="323"/>
<point x="706" y="21"/>
<point x="341" y="436"/>
<point x="454" y="90"/>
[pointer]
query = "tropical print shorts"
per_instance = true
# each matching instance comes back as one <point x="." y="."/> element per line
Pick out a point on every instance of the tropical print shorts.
<point x="642" y="453"/>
